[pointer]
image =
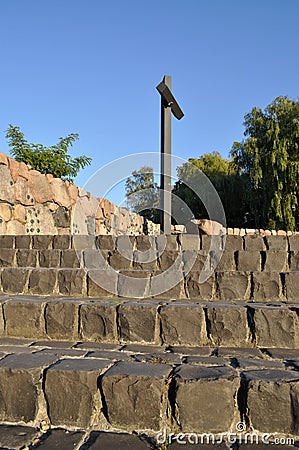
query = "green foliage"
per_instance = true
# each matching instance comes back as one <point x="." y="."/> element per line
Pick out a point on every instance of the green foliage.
<point x="269" y="158"/>
<point x="54" y="160"/>
<point x="142" y="193"/>
<point x="230" y="185"/>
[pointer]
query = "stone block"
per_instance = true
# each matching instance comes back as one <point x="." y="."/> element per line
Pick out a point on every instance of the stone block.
<point x="7" y="185"/>
<point x="194" y="260"/>
<point x="42" y="281"/>
<point x="39" y="186"/>
<point x="190" y="241"/>
<point x="120" y="262"/>
<point x="197" y="290"/>
<point x="272" y="400"/>
<point x="102" y="283"/>
<point x="182" y="323"/>
<point x="276" y="261"/>
<point x="58" y="439"/>
<point x="249" y="261"/>
<point x="106" y="242"/>
<point x="24" y="318"/>
<point x="137" y="321"/>
<point x="291" y="280"/>
<point x="42" y="242"/>
<point x="70" y="259"/>
<point x="169" y="258"/>
<point x="134" y="394"/>
<point x="169" y="284"/>
<point x="211" y="392"/>
<point x="227" y="261"/>
<point x="19" y="385"/>
<point x="233" y="243"/>
<point x="14" y="280"/>
<point x="71" y="281"/>
<point x="227" y="326"/>
<point x="294" y="260"/>
<point x="275" y="327"/>
<point x="254" y="242"/>
<point x="7" y="257"/>
<point x="98" y="321"/>
<point x="62" y="242"/>
<point x="83" y="242"/>
<point x="233" y="285"/>
<point x="144" y="243"/>
<point x="277" y="243"/>
<point x="71" y="390"/>
<point x="27" y="257"/>
<point x="23" y="242"/>
<point x="49" y="258"/>
<point x="145" y="260"/>
<point x="61" y="319"/>
<point x="133" y="283"/>
<point x="266" y="286"/>
<point x="167" y="243"/>
<point x="6" y="241"/>
<point x="95" y="259"/>
<point x="16" y="436"/>
<point x="294" y="243"/>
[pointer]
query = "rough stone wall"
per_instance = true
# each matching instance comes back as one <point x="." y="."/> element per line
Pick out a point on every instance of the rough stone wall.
<point x="33" y="203"/>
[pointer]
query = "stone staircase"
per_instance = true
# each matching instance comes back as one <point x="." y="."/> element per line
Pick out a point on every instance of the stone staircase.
<point x="92" y="347"/>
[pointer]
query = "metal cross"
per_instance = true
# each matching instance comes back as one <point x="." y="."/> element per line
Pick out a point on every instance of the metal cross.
<point x="168" y="105"/>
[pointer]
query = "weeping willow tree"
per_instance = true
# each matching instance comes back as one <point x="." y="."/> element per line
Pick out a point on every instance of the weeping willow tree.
<point x="269" y="156"/>
<point x="224" y="174"/>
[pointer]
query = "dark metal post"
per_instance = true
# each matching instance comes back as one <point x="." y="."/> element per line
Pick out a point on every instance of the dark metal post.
<point x="168" y="105"/>
<point x="165" y="193"/>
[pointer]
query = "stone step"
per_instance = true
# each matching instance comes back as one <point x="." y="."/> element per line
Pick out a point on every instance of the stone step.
<point x="156" y="322"/>
<point x="92" y="388"/>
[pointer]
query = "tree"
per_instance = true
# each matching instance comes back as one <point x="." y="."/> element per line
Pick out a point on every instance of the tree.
<point x="270" y="159"/>
<point x="54" y="159"/>
<point x="142" y="193"/>
<point x="224" y="175"/>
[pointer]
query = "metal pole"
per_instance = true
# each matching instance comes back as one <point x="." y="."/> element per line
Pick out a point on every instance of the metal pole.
<point x="165" y="193"/>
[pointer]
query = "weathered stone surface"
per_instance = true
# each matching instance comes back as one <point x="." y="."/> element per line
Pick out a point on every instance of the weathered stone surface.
<point x="40" y="188"/>
<point x="120" y="262"/>
<point x="194" y="260"/>
<point x="134" y="283"/>
<point x="211" y="392"/>
<point x="7" y="185"/>
<point x="102" y="283"/>
<point x="196" y="290"/>
<point x="16" y="436"/>
<point x="23" y="318"/>
<point x="61" y="319"/>
<point x="248" y="260"/>
<point x="227" y="326"/>
<point x="83" y="242"/>
<point x="190" y="241"/>
<point x="58" y="439"/>
<point x="275" y="327"/>
<point x="168" y="284"/>
<point x="276" y="243"/>
<point x="291" y="286"/>
<point x="42" y="281"/>
<point x="254" y="242"/>
<point x="166" y="243"/>
<point x="254" y="363"/>
<point x="133" y="394"/>
<point x="136" y="321"/>
<point x="62" y="242"/>
<point x="70" y="259"/>
<point x="49" y="258"/>
<point x="233" y="243"/>
<point x="183" y="324"/>
<point x="98" y="321"/>
<point x="226" y="263"/>
<point x="106" y="242"/>
<point x="19" y="214"/>
<point x="15" y="227"/>
<point x="145" y="260"/>
<point x="233" y="285"/>
<point x="119" y="441"/>
<point x="95" y="259"/>
<point x="293" y="243"/>
<point x="14" y="280"/>
<point x="26" y="257"/>
<point x="60" y="192"/>
<point x="71" y="281"/>
<point x="272" y="400"/>
<point x="7" y="256"/>
<point x="276" y="261"/>
<point x="266" y="286"/>
<point x="62" y="217"/>
<point x="19" y="377"/>
<point x="22" y="242"/>
<point x="72" y="392"/>
<point x="5" y="212"/>
<point x="6" y="241"/>
<point x="42" y="242"/>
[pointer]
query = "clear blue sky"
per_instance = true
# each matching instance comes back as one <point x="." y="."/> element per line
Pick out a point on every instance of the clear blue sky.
<point x="91" y="67"/>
